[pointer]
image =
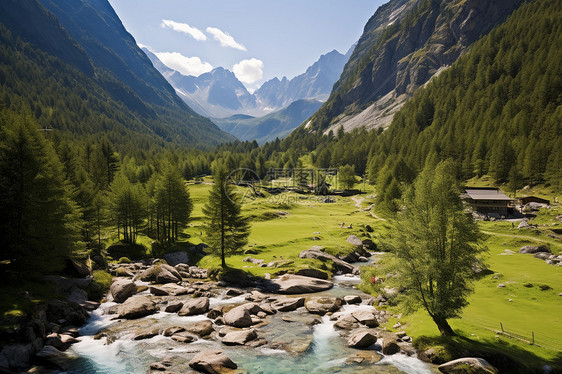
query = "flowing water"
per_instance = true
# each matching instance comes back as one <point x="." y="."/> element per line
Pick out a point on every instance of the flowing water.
<point x="302" y="344"/>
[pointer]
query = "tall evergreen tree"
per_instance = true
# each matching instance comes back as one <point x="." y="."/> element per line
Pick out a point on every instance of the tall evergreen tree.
<point x="435" y="248"/>
<point x="39" y="221"/>
<point x="227" y="230"/>
<point x="173" y="205"/>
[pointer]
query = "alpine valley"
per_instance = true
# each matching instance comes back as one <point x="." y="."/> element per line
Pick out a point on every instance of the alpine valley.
<point x="396" y="209"/>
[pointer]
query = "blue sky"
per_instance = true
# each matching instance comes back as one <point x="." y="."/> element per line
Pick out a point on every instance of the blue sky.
<point x="257" y="39"/>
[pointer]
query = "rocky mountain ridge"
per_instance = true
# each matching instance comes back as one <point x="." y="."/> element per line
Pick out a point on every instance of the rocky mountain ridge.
<point x="404" y="45"/>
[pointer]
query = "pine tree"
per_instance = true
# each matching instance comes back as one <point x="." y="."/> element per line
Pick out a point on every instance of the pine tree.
<point x="39" y="221"/>
<point x="227" y="230"/>
<point x="435" y="248"/>
<point x="173" y="204"/>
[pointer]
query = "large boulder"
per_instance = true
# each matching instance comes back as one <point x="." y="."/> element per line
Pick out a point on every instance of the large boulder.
<point x="195" y="306"/>
<point x="136" y="307"/>
<point x="297" y="284"/>
<point x="201" y="328"/>
<point x="354" y="240"/>
<point x="288" y="304"/>
<point x="122" y="289"/>
<point x="366" y="317"/>
<point x="212" y="362"/>
<point x="169" y="289"/>
<point x="468" y="365"/>
<point x="390" y="346"/>
<point x="313" y="273"/>
<point x="238" y="317"/>
<point x="361" y="339"/>
<point x="323" y="305"/>
<point x="534" y="249"/>
<point x="240" y="337"/>
<point x="346" y="322"/>
<point x="317" y="253"/>
<point x="55" y="357"/>
<point x="176" y="258"/>
<point x="161" y="273"/>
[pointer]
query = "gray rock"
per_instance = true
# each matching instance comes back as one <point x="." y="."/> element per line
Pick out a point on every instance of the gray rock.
<point x="16" y="356"/>
<point x="202" y="328"/>
<point x="239" y="337"/>
<point x="366" y="317"/>
<point x="173" y="330"/>
<point x="168" y="289"/>
<point x="195" y="306"/>
<point x="238" y="317"/>
<point x="136" y="307"/>
<point x="176" y="258"/>
<point x="323" y="305"/>
<point x="297" y="284"/>
<point x="183" y="337"/>
<point x="146" y="335"/>
<point x="288" y="304"/>
<point x="346" y="322"/>
<point x="390" y="346"/>
<point x="313" y="273"/>
<point x="316" y="253"/>
<point x="361" y="339"/>
<point x="352" y="299"/>
<point x="354" y="240"/>
<point x="52" y="355"/>
<point x="122" y="289"/>
<point x="468" y="365"/>
<point x="161" y="273"/>
<point x="173" y="307"/>
<point x="534" y="249"/>
<point x="212" y="362"/>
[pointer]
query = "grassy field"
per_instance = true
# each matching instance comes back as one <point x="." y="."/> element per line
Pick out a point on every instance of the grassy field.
<point x="284" y="225"/>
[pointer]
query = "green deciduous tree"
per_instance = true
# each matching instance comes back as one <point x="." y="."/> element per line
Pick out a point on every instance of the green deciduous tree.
<point x="346" y="177"/>
<point x="436" y="247"/>
<point x="227" y="230"/>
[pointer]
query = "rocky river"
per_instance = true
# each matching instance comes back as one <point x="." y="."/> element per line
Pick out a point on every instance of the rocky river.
<point x="176" y="327"/>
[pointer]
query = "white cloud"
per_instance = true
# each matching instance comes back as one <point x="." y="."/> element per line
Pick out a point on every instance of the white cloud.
<point x="225" y="39"/>
<point x="185" y="28"/>
<point x="248" y="71"/>
<point x="183" y="64"/>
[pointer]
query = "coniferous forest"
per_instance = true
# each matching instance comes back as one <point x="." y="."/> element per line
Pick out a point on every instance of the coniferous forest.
<point x="84" y="160"/>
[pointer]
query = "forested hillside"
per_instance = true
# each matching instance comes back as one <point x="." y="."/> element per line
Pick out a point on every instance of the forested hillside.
<point x="403" y="45"/>
<point x="75" y="96"/>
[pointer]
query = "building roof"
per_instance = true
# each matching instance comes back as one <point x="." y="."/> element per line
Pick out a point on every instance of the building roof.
<point x="486" y="194"/>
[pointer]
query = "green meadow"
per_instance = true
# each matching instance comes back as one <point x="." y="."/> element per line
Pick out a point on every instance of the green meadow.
<point x="286" y="224"/>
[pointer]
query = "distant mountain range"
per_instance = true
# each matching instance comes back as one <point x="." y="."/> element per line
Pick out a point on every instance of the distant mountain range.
<point x="266" y="114"/>
<point x="85" y="75"/>
<point x="278" y="124"/>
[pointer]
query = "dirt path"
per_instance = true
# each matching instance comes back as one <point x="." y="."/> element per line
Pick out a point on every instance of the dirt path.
<point x="358" y="201"/>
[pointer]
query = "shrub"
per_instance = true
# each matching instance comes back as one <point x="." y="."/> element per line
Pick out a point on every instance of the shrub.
<point x="100" y="286"/>
<point x="123" y="260"/>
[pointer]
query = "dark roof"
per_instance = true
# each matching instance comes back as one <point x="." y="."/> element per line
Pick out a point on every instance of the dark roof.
<point x="481" y="193"/>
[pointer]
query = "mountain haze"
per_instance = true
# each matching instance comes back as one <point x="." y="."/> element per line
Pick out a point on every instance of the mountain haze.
<point x="219" y="94"/>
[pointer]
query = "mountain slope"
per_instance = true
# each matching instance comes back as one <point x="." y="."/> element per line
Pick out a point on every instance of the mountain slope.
<point x="315" y="83"/>
<point x="403" y="46"/>
<point x="278" y="124"/>
<point x="72" y="88"/>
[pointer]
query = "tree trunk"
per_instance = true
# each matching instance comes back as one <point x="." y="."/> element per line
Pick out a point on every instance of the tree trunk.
<point x="443" y="326"/>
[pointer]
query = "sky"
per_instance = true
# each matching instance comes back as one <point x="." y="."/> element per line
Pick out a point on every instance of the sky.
<point x="256" y="39"/>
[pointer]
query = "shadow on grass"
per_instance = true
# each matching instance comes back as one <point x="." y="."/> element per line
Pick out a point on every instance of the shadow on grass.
<point x="506" y="357"/>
